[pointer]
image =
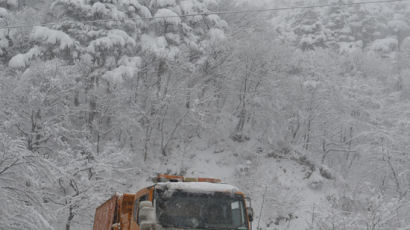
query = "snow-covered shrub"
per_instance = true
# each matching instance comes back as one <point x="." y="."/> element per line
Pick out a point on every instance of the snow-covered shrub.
<point x="384" y="47"/>
<point x="371" y="211"/>
<point x="21" y="61"/>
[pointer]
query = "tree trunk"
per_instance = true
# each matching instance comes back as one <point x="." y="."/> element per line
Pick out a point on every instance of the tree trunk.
<point x="70" y="218"/>
<point x="242" y="107"/>
<point x="147" y="140"/>
<point x="307" y="135"/>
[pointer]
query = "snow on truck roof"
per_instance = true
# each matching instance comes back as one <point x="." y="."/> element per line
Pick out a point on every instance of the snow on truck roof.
<point x="199" y="187"/>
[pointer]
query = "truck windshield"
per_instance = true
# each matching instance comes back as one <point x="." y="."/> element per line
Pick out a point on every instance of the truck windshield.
<point x="179" y="209"/>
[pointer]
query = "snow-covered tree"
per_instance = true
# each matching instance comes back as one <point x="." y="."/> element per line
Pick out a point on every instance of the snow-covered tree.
<point x="12" y="13"/>
<point x="336" y="20"/>
<point x="111" y="83"/>
<point x="309" y="29"/>
<point x="367" y="24"/>
<point x="23" y="175"/>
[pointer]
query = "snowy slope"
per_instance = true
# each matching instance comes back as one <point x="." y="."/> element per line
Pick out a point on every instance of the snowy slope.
<point x="288" y="197"/>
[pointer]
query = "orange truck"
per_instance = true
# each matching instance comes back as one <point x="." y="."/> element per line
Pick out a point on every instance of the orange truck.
<point x="177" y="202"/>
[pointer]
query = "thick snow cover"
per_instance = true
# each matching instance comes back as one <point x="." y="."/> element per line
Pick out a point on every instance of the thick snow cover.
<point x="159" y="46"/>
<point x="167" y="16"/>
<point x="52" y="37"/>
<point x="128" y="68"/>
<point x="198" y="187"/>
<point x="276" y="187"/>
<point x="165" y="3"/>
<point x="115" y="38"/>
<point x="305" y="111"/>
<point x="135" y="5"/>
<point x="385" y="45"/>
<point x="23" y="60"/>
<point x="3" y="13"/>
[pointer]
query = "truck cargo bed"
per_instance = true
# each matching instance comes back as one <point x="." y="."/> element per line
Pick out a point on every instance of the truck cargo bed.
<point x="105" y="214"/>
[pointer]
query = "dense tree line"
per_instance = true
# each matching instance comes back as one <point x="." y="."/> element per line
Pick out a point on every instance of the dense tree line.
<point x="82" y="98"/>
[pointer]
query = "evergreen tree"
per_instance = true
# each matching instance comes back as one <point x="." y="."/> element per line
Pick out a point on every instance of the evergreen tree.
<point x="309" y="29"/>
<point x="336" y="21"/>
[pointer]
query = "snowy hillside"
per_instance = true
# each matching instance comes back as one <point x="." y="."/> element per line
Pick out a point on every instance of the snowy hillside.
<point x="306" y="109"/>
<point x="280" y="182"/>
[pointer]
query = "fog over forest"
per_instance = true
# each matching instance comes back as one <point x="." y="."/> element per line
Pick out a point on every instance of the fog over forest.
<point x="305" y="110"/>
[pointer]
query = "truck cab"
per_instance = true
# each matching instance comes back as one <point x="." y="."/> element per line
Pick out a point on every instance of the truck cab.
<point x="175" y="202"/>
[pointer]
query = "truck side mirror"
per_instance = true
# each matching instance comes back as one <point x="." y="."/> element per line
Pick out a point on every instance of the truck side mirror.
<point x="250" y="213"/>
<point x="147" y="216"/>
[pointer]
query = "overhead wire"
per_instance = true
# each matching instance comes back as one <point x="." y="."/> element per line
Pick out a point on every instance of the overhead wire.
<point x="217" y="13"/>
<point x="182" y="92"/>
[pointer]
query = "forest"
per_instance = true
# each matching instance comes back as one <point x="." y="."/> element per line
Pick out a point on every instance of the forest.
<point x="306" y="109"/>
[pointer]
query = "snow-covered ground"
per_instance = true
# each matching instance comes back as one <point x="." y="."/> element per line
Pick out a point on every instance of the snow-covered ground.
<point x="289" y="199"/>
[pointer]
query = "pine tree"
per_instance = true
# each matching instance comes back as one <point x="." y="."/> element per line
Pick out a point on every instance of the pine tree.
<point x="309" y="30"/>
<point x="339" y="32"/>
